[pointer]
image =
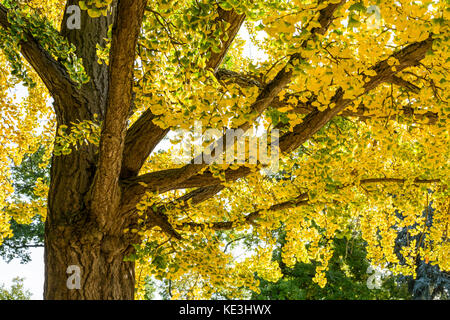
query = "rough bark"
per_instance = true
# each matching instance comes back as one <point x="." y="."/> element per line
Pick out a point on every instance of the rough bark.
<point x="104" y="275"/>
<point x="73" y="236"/>
<point x="76" y="233"/>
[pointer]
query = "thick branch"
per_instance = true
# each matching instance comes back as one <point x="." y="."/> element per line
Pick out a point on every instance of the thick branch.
<point x="141" y="139"/>
<point x="153" y="182"/>
<point x="52" y="73"/>
<point x="125" y="33"/>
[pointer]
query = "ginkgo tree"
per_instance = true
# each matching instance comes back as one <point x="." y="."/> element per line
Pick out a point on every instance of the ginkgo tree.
<point x="357" y="89"/>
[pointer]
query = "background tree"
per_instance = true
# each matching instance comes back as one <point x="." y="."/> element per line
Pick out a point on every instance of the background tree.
<point x="347" y="275"/>
<point x="16" y="292"/>
<point x="26" y="206"/>
<point x="361" y="90"/>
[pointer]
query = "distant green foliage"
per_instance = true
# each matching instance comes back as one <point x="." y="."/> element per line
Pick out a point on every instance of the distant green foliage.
<point x="346" y="278"/>
<point x="26" y="236"/>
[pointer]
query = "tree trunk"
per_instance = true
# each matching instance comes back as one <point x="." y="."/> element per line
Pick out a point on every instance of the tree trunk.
<point x="102" y="275"/>
<point x="84" y="260"/>
<point x="74" y="242"/>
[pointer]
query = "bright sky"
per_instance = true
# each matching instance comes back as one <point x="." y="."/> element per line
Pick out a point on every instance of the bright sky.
<point x="32" y="272"/>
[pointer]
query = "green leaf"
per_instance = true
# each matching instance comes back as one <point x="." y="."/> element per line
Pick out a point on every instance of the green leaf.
<point x="359" y="6"/>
